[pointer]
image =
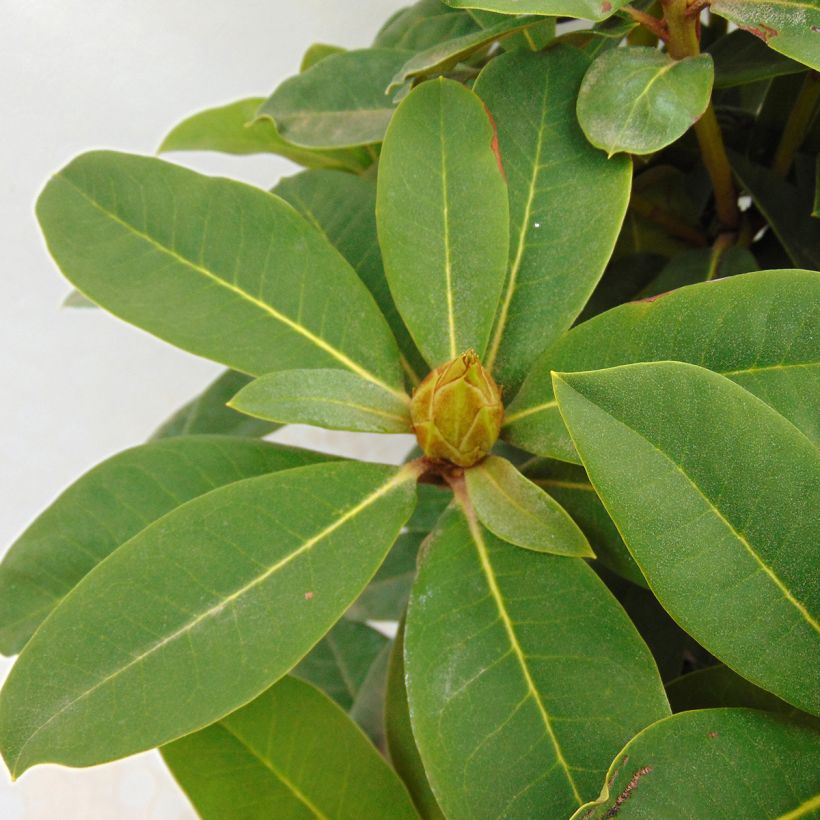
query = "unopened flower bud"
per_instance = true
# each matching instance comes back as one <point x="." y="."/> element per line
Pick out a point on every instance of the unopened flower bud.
<point x="457" y="411"/>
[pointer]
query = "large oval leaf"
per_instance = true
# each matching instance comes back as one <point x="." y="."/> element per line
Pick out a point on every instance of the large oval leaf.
<point x="787" y="26"/>
<point x="290" y="753"/>
<point x="342" y="207"/>
<point x="262" y="290"/>
<point x="586" y="9"/>
<point x="442" y="217"/>
<point x="567" y="203"/>
<point x="424" y="24"/>
<point x="211" y="604"/>
<point x="109" y="505"/>
<point x="209" y="413"/>
<point x="640" y="100"/>
<point x="339" y="102"/>
<point x="713" y="763"/>
<point x="523" y="674"/>
<point x="757" y="329"/>
<point x="716" y="496"/>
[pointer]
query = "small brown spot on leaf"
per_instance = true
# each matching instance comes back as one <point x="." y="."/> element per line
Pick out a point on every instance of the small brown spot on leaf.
<point x="606" y="7"/>
<point x="764" y="32"/>
<point x="308" y="596"/>
<point x="712" y="734"/>
<point x="627" y="792"/>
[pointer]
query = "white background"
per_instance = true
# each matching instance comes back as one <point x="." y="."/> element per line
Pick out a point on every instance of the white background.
<point x="77" y="385"/>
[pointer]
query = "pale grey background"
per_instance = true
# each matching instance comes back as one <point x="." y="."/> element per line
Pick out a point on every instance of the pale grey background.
<point x="78" y="385"/>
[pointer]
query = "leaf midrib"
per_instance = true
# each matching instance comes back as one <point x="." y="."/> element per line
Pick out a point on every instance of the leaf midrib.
<point x="307" y="545"/>
<point x="243" y="294"/>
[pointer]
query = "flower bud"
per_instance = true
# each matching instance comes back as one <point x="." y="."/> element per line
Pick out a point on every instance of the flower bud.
<point x="457" y="411"/>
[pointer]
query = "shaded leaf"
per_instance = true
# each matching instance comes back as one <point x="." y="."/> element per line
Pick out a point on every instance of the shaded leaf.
<point x="109" y="505"/>
<point x="741" y="58"/>
<point x="290" y="753"/>
<point x="567" y="202"/>
<point x="209" y="413"/>
<point x="522" y="673"/>
<point x="75" y="299"/>
<point x="234" y="129"/>
<point x="404" y="755"/>
<point x="787" y="26"/>
<point x="213" y="603"/>
<point x="639" y="100"/>
<point x="691" y="468"/>
<point x="368" y="708"/>
<point x="716" y="763"/>
<point x="342" y="208"/>
<point x="142" y="237"/>
<point x="422" y="25"/>
<point x="520" y="512"/>
<point x="757" y="329"/>
<point x="334" y="399"/>
<point x="339" y="663"/>
<point x="339" y="102"/>
<point x="442" y="219"/>
<point x="586" y="9"/>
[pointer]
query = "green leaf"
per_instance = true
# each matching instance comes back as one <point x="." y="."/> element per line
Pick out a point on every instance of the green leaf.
<point x="234" y="129"/>
<point x="585" y="9"/>
<point x="569" y="485"/>
<point x="290" y="753"/>
<point x="315" y="54"/>
<point x="713" y="763"/>
<point x="520" y="512"/>
<point x="719" y="686"/>
<point x="787" y="26"/>
<point x="209" y="413"/>
<point x="339" y="663"/>
<point x="757" y="329"/>
<point x="567" y="202"/>
<point x="109" y="505"/>
<point x="534" y="38"/>
<point x="404" y="754"/>
<point x="443" y="228"/>
<point x="211" y="604"/>
<point x="422" y="25"/>
<point x="706" y="484"/>
<point x="523" y="674"/>
<point x="334" y="399"/>
<point x="741" y="58"/>
<point x="639" y="100"/>
<point x="786" y="208"/>
<point x="262" y="290"/>
<point x="441" y="57"/>
<point x="342" y="207"/>
<point x="368" y="708"/>
<point x="386" y="595"/>
<point x="339" y="102"/>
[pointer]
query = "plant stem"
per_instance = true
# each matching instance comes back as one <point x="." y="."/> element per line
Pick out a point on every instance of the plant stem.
<point x="684" y="42"/>
<point x="673" y="224"/>
<point x="653" y="24"/>
<point x="797" y="125"/>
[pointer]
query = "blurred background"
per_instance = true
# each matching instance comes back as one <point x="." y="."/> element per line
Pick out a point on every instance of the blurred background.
<point x="77" y="384"/>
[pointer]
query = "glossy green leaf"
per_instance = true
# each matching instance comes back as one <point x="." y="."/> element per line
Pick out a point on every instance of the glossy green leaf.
<point x="234" y="129"/>
<point x="442" y="219"/>
<point x="740" y="58"/>
<point x="109" y="505"/>
<point x="442" y="57"/>
<point x="262" y="289"/>
<point x="290" y="753"/>
<point x="386" y="595"/>
<point x="342" y="207"/>
<point x="569" y="485"/>
<point x="519" y="512"/>
<point x="211" y="604"/>
<point x="334" y="399"/>
<point x="585" y="9"/>
<point x="713" y="763"/>
<point x="339" y="102"/>
<point x="786" y="208"/>
<point x="368" y="708"/>
<point x="209" y="413"/>
<point x="713" y="493"/>
<point x="523" y="673"/>
<point x="757" y="329"/>
<point x="401" y="745"/>
<point x="534" y="37"/>
<point x="567" y="202"/>
<point x="315" y="53"/>
<point x="639" y="99"/>
<point x="423" y="25"/>
<point x="339" y="663"/>
<point x="718" y="686"/>
<point x="787" y="26"/>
